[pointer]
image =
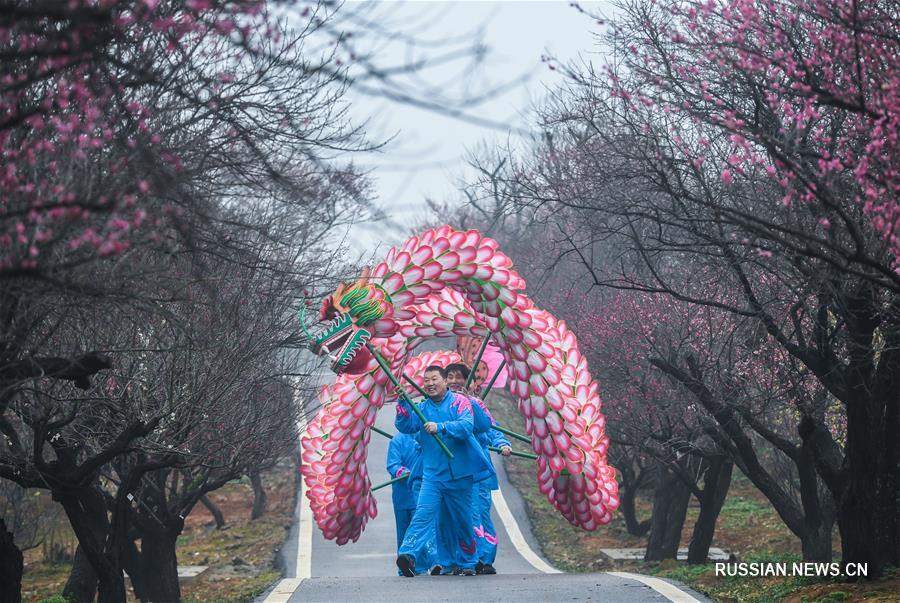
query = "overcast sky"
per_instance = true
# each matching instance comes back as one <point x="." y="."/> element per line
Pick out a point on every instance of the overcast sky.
<point x="425" y="158"/>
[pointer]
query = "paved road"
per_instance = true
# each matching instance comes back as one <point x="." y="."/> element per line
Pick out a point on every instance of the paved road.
<point x="318" y="570"/>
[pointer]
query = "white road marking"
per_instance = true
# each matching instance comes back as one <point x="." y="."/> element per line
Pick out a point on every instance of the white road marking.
<point x="303" y="570"/>
<point x="282" y="591"/>
<point x="516" y="537"/>
<point x="669" y="591"/>
<point x="304" y="537"/>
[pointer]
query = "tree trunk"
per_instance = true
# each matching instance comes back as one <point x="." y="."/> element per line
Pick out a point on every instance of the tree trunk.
<point x="798" y="518"/>
<point x="626" y="506"/>
<point x="81" y="587"/>
<point x="857" y="507"/>
<point x="888" y="498"/>
<point x="86" y="510"/>
<point x="818" y="511"/>
<point x="816" y="543"/>
<point x="11" y="566"/>
<point x="111" y="586"/>
<point x="131" y="562"/>
<point x="159" y="565"/>
<point x="630" y="483"/>
<point x="215" y="510"/>
<point x="670" y="504"/>
<point x="259" y="496"/>
<point x="715" y="488"/>
<point x="867" y="505"/>
<point x="887" y="476"/>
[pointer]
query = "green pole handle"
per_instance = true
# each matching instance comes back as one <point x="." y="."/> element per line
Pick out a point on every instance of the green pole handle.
<point x="412" y="382"/>
<point x="387" y="371"/>
<point x="390" y="481"/>
<point x="490" y="384"/>
<point x="382" y="432"/>
<point x="512" y="434"/>
<point x="471" y="376"/>
<point x="524" y="455"/>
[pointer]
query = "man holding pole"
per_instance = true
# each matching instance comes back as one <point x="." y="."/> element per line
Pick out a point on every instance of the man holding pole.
<point x="457" y="377"/>
<point x="448" y="479"/>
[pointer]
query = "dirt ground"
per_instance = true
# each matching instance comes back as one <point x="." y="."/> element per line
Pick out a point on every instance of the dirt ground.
<point x="240" y="556"/>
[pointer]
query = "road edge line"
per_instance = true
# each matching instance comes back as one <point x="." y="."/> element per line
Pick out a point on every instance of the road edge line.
<point x="304" y="538"/>
<point x="666" y="589"/>
<point x="516" y="537"/>
<point x="282" y="591"/>
<point x="286" y="587"/>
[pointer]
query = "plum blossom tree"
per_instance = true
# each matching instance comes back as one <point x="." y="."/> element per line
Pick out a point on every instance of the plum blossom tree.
<point x="200" y="393"/>
<point x="745" y="400"/>
<point x="130" y="129"/>
<point x="654" y="418"/>
<point x="743" y="148"/>
<point x="799" y="94"/>
<point x="231" y="411"/>
<point x="120" y="116"/>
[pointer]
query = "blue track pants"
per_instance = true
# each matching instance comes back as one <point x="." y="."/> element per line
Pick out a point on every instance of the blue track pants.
<point x="485" y="534"/>
<point x="452" y="499"/>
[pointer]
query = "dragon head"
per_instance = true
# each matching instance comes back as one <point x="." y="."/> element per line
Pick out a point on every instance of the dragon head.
<point x="351" y="310"/>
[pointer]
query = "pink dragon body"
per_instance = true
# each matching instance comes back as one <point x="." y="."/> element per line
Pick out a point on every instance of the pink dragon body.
<point x="445" y="283"/>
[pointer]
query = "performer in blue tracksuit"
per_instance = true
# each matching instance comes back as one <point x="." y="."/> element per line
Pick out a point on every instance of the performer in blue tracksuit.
<point x="486" y="534"/>
<point x="447" y="482"/>
<point x="405" y="456"/>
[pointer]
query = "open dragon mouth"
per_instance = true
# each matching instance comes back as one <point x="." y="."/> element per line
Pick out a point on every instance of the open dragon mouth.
<point x="344" y="343"/>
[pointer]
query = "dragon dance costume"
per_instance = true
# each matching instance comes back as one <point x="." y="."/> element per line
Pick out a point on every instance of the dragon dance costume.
<point x="443" y="283"/>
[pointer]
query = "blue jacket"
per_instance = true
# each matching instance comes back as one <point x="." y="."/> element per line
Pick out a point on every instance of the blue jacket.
<point x="487" y="436"/>
<point x="492" y="438"/>
<point x="404" y="454"/>
<point x="481" y="417"/>
<point x="453" y="415"/>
